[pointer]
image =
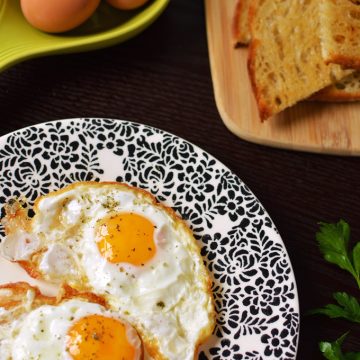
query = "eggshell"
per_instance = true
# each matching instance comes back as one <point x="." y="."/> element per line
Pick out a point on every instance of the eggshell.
<point x="57" y="15"/>
<point x="126" y="4"/>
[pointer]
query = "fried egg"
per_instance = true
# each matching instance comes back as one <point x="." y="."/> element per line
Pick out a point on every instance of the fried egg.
<point x="37" y="327"/>
<point x="118" y="242"/>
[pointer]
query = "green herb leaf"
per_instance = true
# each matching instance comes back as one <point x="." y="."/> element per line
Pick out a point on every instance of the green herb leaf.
<point x="332" y="351"/>
<point x="333" y="241"/>
<point x="349" y="308"/>
<point x="356" y="259"/>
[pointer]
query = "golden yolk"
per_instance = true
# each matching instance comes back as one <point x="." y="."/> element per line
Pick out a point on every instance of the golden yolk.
<point x="99" y="337"/>
<point x="126" y="237"/>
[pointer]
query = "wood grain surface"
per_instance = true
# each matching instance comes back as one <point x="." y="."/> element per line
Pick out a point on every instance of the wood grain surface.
<point x="162" y="78"/>
<point x="309" y="126"/>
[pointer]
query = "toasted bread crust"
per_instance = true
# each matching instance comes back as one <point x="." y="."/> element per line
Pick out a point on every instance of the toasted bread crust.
<point x="340" y="32"/>
<point x="335" y="96"/>
<point x="264" y="111"/>
<point x="240" y="23"/>
<point x="348" y="89"/>
<point x="251" y="66"/>
<point x="346" y="62"/>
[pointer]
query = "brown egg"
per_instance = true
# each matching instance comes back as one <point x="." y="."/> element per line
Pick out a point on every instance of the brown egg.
<point x="126" y="4"/>
<point x="56" y="16"/>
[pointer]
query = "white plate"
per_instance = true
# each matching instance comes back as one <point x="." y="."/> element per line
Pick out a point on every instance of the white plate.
<point x="254" y="285"/>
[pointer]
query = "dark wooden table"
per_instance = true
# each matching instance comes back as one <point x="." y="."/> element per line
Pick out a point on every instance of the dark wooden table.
<point x="162" y="78"/>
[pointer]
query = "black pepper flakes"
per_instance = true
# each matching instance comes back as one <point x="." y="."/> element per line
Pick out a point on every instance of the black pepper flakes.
<point x="160" y="304"/>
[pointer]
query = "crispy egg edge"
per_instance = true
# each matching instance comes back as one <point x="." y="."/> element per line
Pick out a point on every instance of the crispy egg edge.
<point x="18" y="215"/>
<point x="14" y="296"/>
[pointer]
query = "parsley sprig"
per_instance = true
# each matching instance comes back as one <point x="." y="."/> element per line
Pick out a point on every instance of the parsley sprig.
<point x="332" y="350"/>
<point x="348" y="308"/>
<point x="333" y="240"/>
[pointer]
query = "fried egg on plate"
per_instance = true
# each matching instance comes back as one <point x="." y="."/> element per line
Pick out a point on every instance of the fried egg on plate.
<point x="118" y="242"/>
<point x="35" y="327"/>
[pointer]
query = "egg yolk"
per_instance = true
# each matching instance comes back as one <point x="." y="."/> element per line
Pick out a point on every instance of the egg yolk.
<point x="126" y="237"/>
<point x="99" y="337"/>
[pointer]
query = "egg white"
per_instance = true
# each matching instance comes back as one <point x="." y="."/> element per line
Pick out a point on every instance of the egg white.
<point x="168" y="299"/>
<point x="41" y="333"/>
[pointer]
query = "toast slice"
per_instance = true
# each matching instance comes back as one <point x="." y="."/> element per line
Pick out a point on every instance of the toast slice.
<point x="340" y="32"/>
<point x="348" y="89"/>
<point x="285" y="61"/>
<point x="240" y="24"/>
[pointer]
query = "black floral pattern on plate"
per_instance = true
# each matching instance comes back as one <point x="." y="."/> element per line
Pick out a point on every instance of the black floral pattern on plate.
<point x="254" y="287"/>
<point x="276" y="342"/>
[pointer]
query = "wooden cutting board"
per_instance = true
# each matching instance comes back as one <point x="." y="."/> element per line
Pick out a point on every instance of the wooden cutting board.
<point x="332" y="128"/>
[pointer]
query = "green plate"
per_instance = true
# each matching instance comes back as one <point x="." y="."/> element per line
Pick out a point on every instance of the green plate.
<point x="20" y="41"/>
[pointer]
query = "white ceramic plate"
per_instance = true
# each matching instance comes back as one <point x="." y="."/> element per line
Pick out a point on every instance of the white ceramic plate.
<point x="254" y="285"/>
